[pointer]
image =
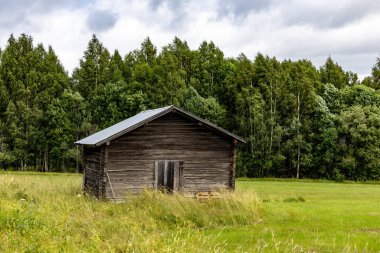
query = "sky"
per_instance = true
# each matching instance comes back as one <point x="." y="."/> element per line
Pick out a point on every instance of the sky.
<point x="346" y="30"/>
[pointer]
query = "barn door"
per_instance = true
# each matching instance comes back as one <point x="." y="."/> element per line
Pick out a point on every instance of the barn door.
<point x="168" y="175"/>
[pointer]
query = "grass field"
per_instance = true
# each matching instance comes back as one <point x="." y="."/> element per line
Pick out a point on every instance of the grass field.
<point x="48" y="213"/>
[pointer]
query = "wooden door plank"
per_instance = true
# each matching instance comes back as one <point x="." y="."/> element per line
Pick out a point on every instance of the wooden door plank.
<point x="176" y="175"/>
<point x="165" y="173"/>
<point x="181" y="180"/>
<point x="156" y="175"/>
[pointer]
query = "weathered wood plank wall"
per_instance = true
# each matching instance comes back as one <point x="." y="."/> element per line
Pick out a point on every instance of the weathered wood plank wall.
<point x="93" y="171"/>
<point x="206" y="155"/>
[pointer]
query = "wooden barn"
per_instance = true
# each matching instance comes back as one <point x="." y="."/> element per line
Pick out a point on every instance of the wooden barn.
<point x="165" y="148"/>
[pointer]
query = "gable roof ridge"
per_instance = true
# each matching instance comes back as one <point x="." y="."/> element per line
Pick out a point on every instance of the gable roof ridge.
<point x="138" y="120"/>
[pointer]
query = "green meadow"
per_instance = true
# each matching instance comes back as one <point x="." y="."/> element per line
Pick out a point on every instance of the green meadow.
<point x="47" y="212"/>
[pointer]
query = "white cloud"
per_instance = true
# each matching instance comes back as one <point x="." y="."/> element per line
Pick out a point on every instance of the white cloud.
<point x="293" y="29"/>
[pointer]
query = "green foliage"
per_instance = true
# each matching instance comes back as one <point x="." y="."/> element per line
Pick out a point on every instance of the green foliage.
<point x="338" y="176"/>
<point x="206" y="108"/>
<point x="360" y="95"/>
<point x="298" y="120"/>
<point x="332" y="73"/>
<point x="94" y="68"/>
<point x="359" y="142"/>
<point x="375" y="75"/>
<point x="208" y="69"/>
<point x="33" y="78"/>
<point x="323" y="137"/>
<point x="115" y="102"/>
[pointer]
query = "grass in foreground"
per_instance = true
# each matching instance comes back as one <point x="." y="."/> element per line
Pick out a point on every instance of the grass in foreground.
<point x="47" y="212"/>
<point x="312" y="216"/>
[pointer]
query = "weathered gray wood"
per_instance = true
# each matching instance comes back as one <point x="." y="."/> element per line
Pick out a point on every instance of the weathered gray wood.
<point x="161" y="173"/>
<point x="176" y="176"/>
<point x="91" y="170"/>
<point x="181" y="181"/>
<point x="103" y="185"/>
<point x="109" y="182"/>
<point x="203" y="160"/>
<point x="233" y="165"/>
<point x="156" y="175"/>
<point x="170" y="176"/>
<point x="166" y="174"/>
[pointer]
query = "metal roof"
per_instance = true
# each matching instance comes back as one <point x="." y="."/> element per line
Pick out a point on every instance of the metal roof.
<point x="125" y="126"/>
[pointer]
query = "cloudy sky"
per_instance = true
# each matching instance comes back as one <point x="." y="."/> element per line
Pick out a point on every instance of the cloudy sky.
<point x="348" y="30"/>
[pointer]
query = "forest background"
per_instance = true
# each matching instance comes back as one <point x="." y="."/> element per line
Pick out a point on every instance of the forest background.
<point x="299" y="121"/>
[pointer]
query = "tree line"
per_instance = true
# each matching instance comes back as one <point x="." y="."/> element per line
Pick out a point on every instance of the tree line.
<point x="299" y="121"/>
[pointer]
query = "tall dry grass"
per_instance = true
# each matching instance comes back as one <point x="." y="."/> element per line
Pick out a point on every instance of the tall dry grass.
<point x="48" y="213"/>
